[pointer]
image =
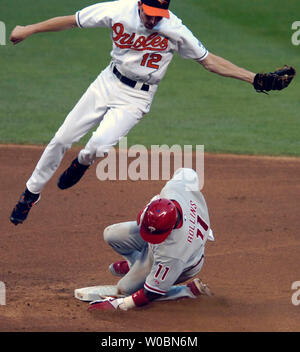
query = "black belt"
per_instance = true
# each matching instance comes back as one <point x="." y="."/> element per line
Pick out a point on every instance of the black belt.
<point x="129" y="81"/>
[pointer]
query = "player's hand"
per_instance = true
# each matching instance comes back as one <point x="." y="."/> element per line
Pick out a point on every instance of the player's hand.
<point x="19" y="34"/>
<point x="108" y="303"/>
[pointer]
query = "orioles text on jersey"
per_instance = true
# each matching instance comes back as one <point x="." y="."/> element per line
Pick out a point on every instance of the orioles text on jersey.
<point x="125" y="40"/>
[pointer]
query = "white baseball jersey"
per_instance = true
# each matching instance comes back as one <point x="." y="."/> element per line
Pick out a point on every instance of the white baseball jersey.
<point x="184" y="247"/>
<point x="139" y="53"/>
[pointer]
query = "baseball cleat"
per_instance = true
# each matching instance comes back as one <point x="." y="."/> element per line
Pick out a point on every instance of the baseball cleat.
<point x="95" y="293"/>
<point x="120" y="268"/>
<point x="199" y="288"/>
<point x="72" y="174"/>
<point x="22" y="208"/>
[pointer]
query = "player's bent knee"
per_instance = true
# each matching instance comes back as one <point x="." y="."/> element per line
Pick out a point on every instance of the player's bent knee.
<point x="107" y="234"/>
<point x="112" y="236"/>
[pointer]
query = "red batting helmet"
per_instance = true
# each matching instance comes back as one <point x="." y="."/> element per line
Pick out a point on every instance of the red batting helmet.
<point x="158" y="221"/>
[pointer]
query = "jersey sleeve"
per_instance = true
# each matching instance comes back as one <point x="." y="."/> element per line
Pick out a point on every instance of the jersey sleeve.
<point x="189" y="47"/>
<point x="98" y="15"/>
<point x="164" y="273"/>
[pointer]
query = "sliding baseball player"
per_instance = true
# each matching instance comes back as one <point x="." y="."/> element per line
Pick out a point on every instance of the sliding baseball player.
<point x="163" y="248"/>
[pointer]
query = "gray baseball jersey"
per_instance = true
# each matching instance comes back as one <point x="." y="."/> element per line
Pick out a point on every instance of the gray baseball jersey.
<point x="184" y="247"/>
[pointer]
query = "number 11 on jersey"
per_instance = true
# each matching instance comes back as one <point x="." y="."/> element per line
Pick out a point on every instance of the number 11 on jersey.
<point x="150" y="60"/>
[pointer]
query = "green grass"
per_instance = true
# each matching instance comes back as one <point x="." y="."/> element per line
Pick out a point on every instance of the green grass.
<point x="43" y="77"/>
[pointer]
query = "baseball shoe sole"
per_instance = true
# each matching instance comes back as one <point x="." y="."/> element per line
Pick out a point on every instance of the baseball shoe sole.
<point x="71" y="175"/>
<point x="22" y="208"/>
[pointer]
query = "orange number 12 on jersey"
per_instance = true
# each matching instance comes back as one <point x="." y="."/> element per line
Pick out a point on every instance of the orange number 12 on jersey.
<point x="150" y="60"/>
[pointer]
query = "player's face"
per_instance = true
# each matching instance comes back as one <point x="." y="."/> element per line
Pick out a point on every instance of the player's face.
<point x="148" y="21"/>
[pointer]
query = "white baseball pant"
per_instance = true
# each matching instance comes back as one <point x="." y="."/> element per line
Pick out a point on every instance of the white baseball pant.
<point x="109" y="103"/>
<point x="125" y="239"/>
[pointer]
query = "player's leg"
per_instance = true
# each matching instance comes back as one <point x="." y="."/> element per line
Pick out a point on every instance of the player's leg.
<point x="134" y="280"/>
<point x="127" y="106"/>
<point x="192" y="289"/>
<point x="115" y="125"/>
<point x="124" y="238"/>
<point x="87" y="113"/>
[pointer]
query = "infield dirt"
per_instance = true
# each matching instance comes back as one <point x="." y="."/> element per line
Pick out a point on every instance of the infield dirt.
<point x="254" y="211"/>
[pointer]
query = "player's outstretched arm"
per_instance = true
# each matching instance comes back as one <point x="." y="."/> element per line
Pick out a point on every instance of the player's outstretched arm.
<point x="55" y="24"/>
<point x="217" y="64"/>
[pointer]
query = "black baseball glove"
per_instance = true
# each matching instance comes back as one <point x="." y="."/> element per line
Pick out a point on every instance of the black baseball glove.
<point x="277" y="80"/>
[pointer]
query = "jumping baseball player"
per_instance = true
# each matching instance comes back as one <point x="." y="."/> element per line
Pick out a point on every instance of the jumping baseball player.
<point x="145" y="36"/>
<point x="164" y="247"/>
